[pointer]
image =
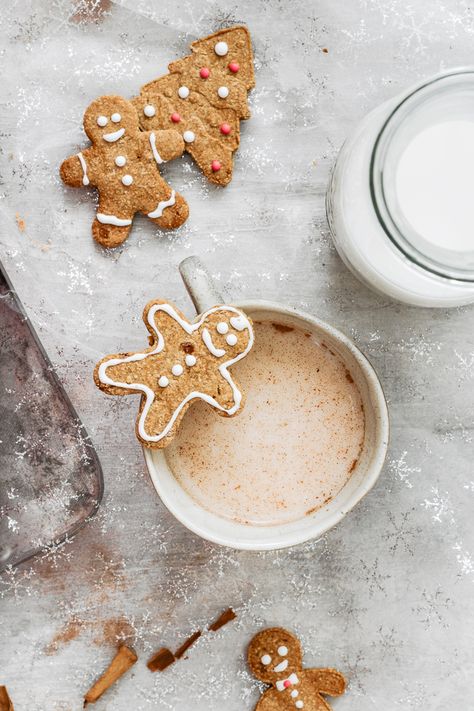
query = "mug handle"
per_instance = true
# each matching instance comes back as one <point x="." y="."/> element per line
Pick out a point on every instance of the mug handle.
<point x="199" y="284"/>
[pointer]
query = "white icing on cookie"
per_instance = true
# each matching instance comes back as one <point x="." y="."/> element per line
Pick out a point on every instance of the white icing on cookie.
<point x="221" y="49"/>
<point x="266" y="659"/>
<point x="299" y="704"/>
<point x="293" y="679"/>
<point x="282" y="651"/>
<point x="112" y="137"/>
<point x="156" y="155"/>
<point x="127" y="180"/>
<point x="149" y="110"/>
<point x="188" y="136"/>
<point x="223" y="92"/>
<point x="183" y="92"/>
<point x="112" y="220"/>
<point x="190" y="360"/>
<point x="158" y="211"/>
<point x="163" y="382"/>
<point x="102" y="121"/>
<point x="281" y="667"/>
<point x="294" y="693"/>
<point x="116" y="118"/>
<point x="231" y="339"/>
<point x="206" y="337"/>
<point x="120" y="161"/>
<point x="149" y="393"/>
<point x="177" y="369"/>
<point x="238" y="322"/>
<point x="85" y="179"/>
<point x="222" y="327"/>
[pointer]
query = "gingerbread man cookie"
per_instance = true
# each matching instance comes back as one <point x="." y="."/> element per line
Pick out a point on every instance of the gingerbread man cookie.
<point x="185" y="362"/>
<point x="204" y="97"/>
<point x="275" y="657"/>
<point x="122" y="164"/>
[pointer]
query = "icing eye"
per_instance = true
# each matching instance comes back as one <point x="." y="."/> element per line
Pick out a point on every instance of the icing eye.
<point x="116" y="118"/>
<point x="232" y="340"/>
<point x="222" y="327"/>
<point x="266" y="659"/>
<point x="149" y="110"/>
<point x="102" y="121"/>
<point x="282" y="651"/>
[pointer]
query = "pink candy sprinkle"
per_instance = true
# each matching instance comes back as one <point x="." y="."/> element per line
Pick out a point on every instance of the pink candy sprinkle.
<point x="204" y="73"/>
<point x="287" y="683"/>
<point x="176" y="118"/>
<point x="215" y="165"/>
<point x="234" y="67"/>
<point x="225" y="129"/>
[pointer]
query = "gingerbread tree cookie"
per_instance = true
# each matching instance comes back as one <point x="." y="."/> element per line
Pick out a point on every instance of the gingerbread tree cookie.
<point x="275" y="657"/>
<point x="185" y="362"/>
<point x="204" y="97"/>
<point x="122" y="164"/>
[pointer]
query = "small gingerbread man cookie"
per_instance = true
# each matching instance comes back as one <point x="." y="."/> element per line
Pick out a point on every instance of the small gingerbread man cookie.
<point x="185" y="362"/>
<point x="122" y="164"/>
<point x="275" y="657"/>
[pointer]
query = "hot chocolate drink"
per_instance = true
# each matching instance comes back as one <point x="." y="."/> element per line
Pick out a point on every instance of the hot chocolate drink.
<point x="294" y="445"/>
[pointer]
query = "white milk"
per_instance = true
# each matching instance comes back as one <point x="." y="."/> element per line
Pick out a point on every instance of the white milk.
<point x="435" y="184"/>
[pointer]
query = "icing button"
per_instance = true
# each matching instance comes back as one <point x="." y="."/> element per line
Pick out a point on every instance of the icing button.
<point x="127" y="180"/>
<point x="188" y="136"/>
<point x="223" y="92"/>
<point x="231" y="339"/>
<point x="299" y="704"/>
<point x="149" y="110"/>
<point x="177" y="369"/>
<point x="294" y="693"/>
<point x="225" y="129"/>
<point x="120" y="161"/>
<point x="190" y="360"/>
<point x="234" y="67"/>
<point x="176" y="118"/>
<point x="163" y="382"/>
<point x="183" y="92"/>
<point x="215" y="165"/>
<point x="287" y="683"/>
<point x="221" y="49"/>
<point x="204" y="73"/>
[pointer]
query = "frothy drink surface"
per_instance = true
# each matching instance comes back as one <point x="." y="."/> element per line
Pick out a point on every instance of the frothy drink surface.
<point x="293" y="446"/>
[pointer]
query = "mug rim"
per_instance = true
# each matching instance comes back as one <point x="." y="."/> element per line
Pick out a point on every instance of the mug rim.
<point x="287" y="537"/>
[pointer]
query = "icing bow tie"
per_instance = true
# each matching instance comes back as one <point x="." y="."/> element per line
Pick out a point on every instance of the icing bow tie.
<point x="285" y="683"/>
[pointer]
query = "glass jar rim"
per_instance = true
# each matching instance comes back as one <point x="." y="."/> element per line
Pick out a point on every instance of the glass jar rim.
<point x="401" y="111"/>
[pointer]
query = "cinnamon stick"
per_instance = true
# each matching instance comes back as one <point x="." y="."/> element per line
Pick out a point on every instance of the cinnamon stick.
<point x="187" y="644"/>
<point x="5" y="701"/>
<point x="161" y="660"/>
<point x="121" y="663"/>
<point x="222" y="620"/>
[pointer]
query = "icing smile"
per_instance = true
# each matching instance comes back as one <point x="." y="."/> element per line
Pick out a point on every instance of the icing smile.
<point x="281" y="667"/>
<point x="112" y="137"/>
<point x="206" y="337"/>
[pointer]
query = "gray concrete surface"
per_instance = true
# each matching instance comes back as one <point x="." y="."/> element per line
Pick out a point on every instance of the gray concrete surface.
<point x="387" y="596"/>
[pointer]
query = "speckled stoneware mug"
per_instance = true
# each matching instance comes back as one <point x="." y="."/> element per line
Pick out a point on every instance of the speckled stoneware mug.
<point x="244" y="536"/>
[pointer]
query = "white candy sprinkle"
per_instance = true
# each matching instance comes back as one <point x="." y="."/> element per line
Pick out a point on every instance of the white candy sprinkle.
<point x="221" y="49"/>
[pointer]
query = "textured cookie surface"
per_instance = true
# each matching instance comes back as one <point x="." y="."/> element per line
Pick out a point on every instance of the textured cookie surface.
<point x="204" y="97"/>
<point x="185" y="362"/>
<point x="275" y="657"/>
<point x="123" y="164"/>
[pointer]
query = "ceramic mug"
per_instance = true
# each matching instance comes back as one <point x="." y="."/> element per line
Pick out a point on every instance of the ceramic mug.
<point x="243" y="536"/>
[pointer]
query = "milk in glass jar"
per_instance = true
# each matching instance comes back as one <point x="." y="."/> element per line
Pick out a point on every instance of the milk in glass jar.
<point x="401" y="200"/>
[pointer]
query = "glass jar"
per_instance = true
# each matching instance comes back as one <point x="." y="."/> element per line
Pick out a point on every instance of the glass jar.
<point x="400" y="204"/>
